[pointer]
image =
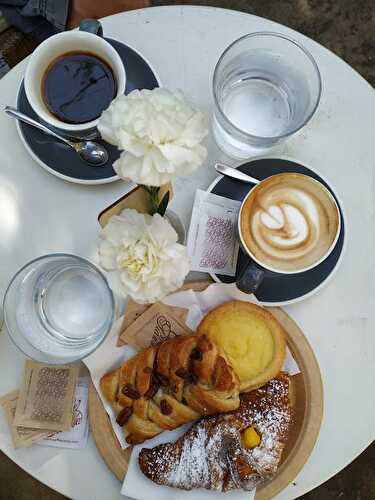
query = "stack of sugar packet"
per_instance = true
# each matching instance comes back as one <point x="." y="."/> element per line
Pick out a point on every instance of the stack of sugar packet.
<point x="146" y="325"/>
<point x="50" y="408"/>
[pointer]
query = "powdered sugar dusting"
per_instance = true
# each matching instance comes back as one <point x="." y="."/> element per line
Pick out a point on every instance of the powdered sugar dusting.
<point x="193" y="463"/>
<point x="211" y="455"/>
<point x="271" y="417"/>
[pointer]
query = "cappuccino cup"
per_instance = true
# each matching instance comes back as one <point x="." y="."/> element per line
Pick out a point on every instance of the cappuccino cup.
<point x="288" y="223"/>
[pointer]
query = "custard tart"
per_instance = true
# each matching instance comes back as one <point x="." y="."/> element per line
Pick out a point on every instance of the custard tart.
<point x="252" y="339"/>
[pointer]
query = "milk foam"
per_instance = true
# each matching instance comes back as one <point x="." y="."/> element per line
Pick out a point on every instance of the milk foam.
<point x="285" y="225"/>
<point x="291" y="223"/>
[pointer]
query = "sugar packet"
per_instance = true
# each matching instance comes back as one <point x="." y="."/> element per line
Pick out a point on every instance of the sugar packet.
<point x="157" y="324"/>
<point x="22" y="437"/>
<point x="133" y="311"/>
<point x="46" y="396"/>
<point x="77" y="436"/>
<point x="212" y="241"/>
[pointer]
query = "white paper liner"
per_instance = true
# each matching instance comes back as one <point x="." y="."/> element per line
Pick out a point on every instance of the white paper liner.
<point x="109" y="356"/>
<point x="106" y="358"/>
<point x="138" y="486"/>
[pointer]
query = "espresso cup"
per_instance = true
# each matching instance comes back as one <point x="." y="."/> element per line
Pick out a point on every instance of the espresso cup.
<point x="87" y="40"/>
<point x="288" y="223"/>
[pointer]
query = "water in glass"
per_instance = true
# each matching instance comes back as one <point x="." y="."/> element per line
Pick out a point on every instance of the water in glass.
<point x="262" y="93"/>
<point x="58" y="308"/>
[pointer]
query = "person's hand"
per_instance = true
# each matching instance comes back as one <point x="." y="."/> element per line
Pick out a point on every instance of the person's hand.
<point x="81" y="9"/>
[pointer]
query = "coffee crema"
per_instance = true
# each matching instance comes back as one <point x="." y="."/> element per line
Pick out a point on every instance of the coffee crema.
<point x="289" y="222"/>
<point x="78" y="86"/>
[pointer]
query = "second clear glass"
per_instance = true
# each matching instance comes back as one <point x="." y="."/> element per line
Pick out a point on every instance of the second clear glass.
<point x="58" y="308"/>
<point x="266" y="87"/>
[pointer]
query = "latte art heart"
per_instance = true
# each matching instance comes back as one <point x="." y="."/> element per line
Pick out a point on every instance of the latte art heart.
<point x="287" y="219"/>
<point x="291" y="221"/>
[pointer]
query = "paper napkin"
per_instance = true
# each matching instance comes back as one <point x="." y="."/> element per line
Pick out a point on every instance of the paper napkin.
<point x="109" y="356"/>
<point x="138" y="486"/>
<point x="106" y="358"/>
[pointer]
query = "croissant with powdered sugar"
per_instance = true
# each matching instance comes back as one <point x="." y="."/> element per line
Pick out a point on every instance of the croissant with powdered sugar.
<point x="236" y="450"/>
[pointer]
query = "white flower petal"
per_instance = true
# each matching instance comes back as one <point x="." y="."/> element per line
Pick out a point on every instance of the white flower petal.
<point x="142" y="256"/>
<point x="161" y="133"/>
<point x="107" y="255"/>
<point x="195" y="130"/>
<point x="178" y="155"/>
<point x="161" y="232"/>
<point x="116" y="285"/>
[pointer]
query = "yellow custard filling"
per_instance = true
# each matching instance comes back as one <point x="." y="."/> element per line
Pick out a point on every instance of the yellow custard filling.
<point x="251" y="338"/>
<point x="247" y="341"/>
<point x="250" y="438"/>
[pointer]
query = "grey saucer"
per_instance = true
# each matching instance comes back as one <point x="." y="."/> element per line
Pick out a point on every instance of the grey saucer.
<point x="281" y="289"/>
<point x="60" y="159"/>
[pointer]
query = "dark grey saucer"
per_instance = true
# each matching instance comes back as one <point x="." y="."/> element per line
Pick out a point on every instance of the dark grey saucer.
<point x="60" y="159"/>
<point x="281" y="289"/>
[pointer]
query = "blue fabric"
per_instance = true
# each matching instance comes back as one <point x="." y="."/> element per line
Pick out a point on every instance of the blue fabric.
<point x="38" y="18"/>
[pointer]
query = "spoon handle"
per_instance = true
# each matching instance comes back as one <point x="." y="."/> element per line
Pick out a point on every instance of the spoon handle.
<point x="235" y="174"/>
<point x="14" y="113"/>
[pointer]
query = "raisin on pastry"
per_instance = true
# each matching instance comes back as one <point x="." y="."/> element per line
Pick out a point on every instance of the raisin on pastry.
<point x="171" y="384"/>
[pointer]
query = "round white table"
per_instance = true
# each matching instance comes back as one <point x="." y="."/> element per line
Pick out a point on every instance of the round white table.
<point x="40" y="213"/>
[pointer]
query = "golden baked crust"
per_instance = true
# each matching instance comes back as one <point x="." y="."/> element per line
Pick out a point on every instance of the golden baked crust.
<point x="212" y="453"/>
<point x="170" y="384"/>
<point x="252" y="339"/>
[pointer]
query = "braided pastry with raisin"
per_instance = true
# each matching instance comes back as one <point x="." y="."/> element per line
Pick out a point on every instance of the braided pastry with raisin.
<point x="171" y="384"/>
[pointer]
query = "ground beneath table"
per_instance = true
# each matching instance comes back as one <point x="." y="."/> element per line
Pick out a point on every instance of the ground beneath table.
<point x="344" y="26"/>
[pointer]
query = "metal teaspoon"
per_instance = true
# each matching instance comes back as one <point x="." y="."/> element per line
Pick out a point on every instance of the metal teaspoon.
<point x="235" y="174"/>
<point x="91" y="152"/>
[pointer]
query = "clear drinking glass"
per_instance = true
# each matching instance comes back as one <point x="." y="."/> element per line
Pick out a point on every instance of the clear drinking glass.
<point x="58" y="308"/>
<point x="266" y="87"/>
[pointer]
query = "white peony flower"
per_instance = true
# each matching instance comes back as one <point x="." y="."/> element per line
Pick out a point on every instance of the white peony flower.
<point x="142" y="256"/>
<point x="159" y="132"/>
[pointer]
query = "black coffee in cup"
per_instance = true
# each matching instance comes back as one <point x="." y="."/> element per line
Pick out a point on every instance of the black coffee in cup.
<point x="78" y="86"/>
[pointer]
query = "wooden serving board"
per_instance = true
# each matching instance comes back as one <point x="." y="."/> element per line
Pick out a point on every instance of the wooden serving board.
<point x="306" y="396"/>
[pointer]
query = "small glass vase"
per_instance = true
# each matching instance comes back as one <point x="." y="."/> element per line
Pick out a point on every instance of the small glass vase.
<point x="177" y="224"/>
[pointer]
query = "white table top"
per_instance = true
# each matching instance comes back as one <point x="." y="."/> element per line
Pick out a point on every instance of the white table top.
<point x="40" y="214"/>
